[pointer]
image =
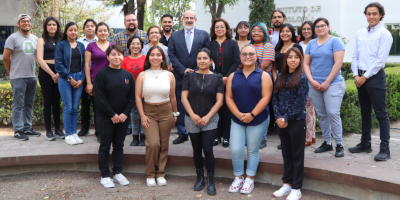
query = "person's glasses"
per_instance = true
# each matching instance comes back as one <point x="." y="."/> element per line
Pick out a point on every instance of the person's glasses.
<point x="135" y="43"/>
<point x="256" y="31"/>
<point x="131" y="20"/>
<point x="154" y="33"/>
<point x="189" y="18"/>
<point x="243" y="28"/>
<point x="25" y="21"/>
<point x="251" y="55"/>
<point x="306" y="29"/>
<point x="323" y="26"/>
<point x="220" y="27"/>
<point x="277" y="17"/>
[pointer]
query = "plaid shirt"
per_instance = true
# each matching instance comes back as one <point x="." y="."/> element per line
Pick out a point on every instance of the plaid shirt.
<point x="123" y="37"/>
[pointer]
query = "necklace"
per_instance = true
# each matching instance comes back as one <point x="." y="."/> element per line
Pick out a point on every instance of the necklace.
<point x="54" y="43"/>
<point x="154" y="73"/>
<point x="284" y="48"/>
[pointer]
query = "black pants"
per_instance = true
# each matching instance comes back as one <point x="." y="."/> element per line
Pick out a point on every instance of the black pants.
<point x="292" y="141"/>
<point x="203" y="142"/>
<point x="51" y="98"/>
<point x="372" y="94"/>
<point x="224" y="123"/>
<point x="86" y="101"/>
<point x="111" y="134"/>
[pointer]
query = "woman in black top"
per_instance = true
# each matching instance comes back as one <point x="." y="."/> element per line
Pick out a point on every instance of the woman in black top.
<point x="115" y="96"/>
<point x="48" y="77"/>
<point x="287" y="40"/>
<point x="202" y="97"/>
<point x="225" y="54"/>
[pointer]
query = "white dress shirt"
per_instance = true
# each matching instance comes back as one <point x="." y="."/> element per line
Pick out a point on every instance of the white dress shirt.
<point x="371" y="50"/>
<point x="186" y="33"/>
<point x="86" y="42"/>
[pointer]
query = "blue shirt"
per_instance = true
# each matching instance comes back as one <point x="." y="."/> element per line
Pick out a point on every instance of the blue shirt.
<point x="291" y="104"/>
<point x="322" y="59"/>
<point x="246" y="94"/>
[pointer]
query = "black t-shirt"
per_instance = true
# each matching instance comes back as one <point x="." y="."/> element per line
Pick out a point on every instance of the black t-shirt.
<point x="203" y="89"/>
<point x="280" y="56"/>
<point x="76" y="59"/>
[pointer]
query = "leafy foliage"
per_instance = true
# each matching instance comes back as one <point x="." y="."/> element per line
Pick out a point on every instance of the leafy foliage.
<point x="260" y="11"/>
<point x="176" y="8"/>
<point x="340" y="36"/>
<point x="217" y="7"/>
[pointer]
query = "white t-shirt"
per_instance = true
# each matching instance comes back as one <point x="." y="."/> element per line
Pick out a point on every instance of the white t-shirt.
<point x="275" y="38"/>
<point x="304" y="46"/>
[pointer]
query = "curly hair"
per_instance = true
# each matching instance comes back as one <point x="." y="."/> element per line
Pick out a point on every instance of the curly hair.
<point x="228" y="33"/>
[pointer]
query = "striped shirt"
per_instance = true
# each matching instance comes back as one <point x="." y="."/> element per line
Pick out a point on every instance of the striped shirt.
<point x="265" y="52"/>
<point x="123" y="37"/>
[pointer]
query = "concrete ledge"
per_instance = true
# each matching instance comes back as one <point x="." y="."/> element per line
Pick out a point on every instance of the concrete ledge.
<point x="335" y="177"/>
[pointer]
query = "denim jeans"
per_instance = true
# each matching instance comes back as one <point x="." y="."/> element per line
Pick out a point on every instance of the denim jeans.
<point x="250" y="135"/>
<point x="24" y="90"/>
<point x="137" y="127"/>
<point x="70" y="97"/>
<point x="327" y="105"/>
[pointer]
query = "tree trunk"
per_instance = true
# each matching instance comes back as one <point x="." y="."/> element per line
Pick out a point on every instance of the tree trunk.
<point x="130" y="7"/>
<point x="140" y="13"/>
<point x="220" y="9"/>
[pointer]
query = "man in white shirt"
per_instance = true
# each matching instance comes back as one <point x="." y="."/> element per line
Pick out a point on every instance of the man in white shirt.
<point x="372" y="48"/>
<point x="278" y="17"/>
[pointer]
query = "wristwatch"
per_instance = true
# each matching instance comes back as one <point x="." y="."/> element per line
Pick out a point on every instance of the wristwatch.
<point x="69" y="78"/>
<point x="176" y="114"/>
<point x="283" y="119"/>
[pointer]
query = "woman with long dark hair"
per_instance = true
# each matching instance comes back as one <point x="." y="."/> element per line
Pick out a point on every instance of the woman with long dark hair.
<point x="70" y="64"/>
<point x="48" y="77"/>
<point x="289" y="101"/>
<point x="158" y="114"/>
<point x="242" y="33"/>
<point x="225" y="54"/>
<point x="322" y="65"/>
<point x="202" y="97"/>
<point x="306" y="35"/>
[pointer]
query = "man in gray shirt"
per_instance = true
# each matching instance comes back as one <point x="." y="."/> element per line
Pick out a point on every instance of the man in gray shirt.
<point x="19" y="58"/>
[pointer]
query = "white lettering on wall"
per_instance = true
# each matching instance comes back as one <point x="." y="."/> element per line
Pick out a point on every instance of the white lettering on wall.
<point x="296" y="13"/>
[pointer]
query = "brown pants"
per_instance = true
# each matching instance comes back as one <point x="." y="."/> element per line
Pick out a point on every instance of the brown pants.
<point x="157" y="138"/>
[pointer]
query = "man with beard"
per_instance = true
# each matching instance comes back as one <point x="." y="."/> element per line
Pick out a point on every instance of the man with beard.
<point x="167" y="22"/>
<point x="277" y="19"/>
<point x="182" y="49"/>
<point x="131" y="25"/>
<point x="20" y="61"/>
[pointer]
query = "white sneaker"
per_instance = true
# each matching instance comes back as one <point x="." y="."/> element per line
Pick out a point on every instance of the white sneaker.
<point x="78" y="140"/>
<point x="248" y="186"/>
<point x="161" y="181"/>
<point x="107" y="182"/>
<point x="284" y="190"/>
<point x="294" y="195"/>
<point x="151" y="182"/>
<point x="70" y="140"/>
<point x="236" y="185"/>
<point x="119" y="178"/>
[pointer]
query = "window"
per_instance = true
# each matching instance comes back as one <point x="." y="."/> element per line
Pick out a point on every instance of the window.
<point x="5" y="31"/>
<point x="395" y="30"/>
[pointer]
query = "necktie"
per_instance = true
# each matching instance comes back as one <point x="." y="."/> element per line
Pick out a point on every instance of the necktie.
<point x="189" y="40"/>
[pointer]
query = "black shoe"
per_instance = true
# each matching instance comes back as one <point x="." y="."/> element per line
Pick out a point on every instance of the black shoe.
<point x="362" y="147"/>
<point x="142" y="140"/>
<point x="383" y="155"/>
<point x="339" y="151"/>
<point x="135" y="140"/>
<point x="50" y="136"/>
<point x="263" y="143"/>
<point x="129" y="131"/>
<point x="216" y="142"/>
<point x="31" y="133"/>
<point x="20" y="135"/>
<point x="225" y="143"/>
<point x="98" y="138"/>
<point x="211" y="184"/>
<point x="200" y="183"/>
<point x="280" y="147"/>
<point x="324" y="147"/>
<point x="180" y="139"/>
<point x="83" y="132"/>
<point x="59" y="134"/>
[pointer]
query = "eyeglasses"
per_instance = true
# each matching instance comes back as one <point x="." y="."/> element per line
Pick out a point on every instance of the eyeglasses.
<point x="256" y="31"/>
<point x="25" y="21"/>
<point x="131" y="20"/>
<point x="220" y="27"/>
<point x="135" y="43"/>
<point x="154" y="33"/>
<point x="306" y="29"/>
<point x="251" y="55"/>
<point x="277" y="17"/>
<point x="189" y="18"/>
<point x="244" y="28"/>
<point x="323" y="26"/>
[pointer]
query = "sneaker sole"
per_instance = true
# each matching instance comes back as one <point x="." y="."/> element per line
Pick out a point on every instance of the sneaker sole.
<point x="284" y="194"/>
<point x="108" y="186"/>
<point x="211" y="193"/>
<point x="33" y="135"/>
<point x="199" y="188"/>
<point x="50" y="139"/>
<point x="59" y="137"/>
<point x="323" y="151"/>
<point x="151" y="185"/>
<point x="121" y="183"/>
<point x="245" y="192"/>
<point x="21" y="139"/>
<point x="389" y="157"/>
<point x="161" y="184"/>
<point x="361" y="151"/>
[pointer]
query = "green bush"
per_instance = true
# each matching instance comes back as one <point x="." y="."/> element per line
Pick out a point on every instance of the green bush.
<point x="3" y="71"/>
<point x="348" y="74"/>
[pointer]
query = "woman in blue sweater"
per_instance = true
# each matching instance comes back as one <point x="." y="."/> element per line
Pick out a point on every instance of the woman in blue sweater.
<point x="289" y="102"/>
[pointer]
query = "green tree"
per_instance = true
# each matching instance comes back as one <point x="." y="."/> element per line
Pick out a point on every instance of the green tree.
<point x="176" y="8"/>
<point x="260" y="11"/>
<point x="217" y="7"/>
<point x="129" y="7"/>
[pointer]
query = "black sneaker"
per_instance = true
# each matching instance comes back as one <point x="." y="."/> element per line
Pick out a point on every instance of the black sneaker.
<point x="135" y="140"/>
<point x="362" y="147"/>
<point x="225" y="143"/>
<point x="142" y="141"/>
<point x="383" y="155"/>
<point x="324" y="147"/>
<point x="83" y="132"/>
<point x="263" y="143"/>
<point x="30" y="132"/>
<point x="20" y="135"/>
<point x="280" y="147"/>
<point x="50" y="136"/>
<point x="59" y="134"/>
<point x="339" y="151"/>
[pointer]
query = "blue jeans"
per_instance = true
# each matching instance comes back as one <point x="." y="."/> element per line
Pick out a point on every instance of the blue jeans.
<point x="251" y="135"/>
<point x="24" y="90"/>
<point x="70" y="97"/>
<point x="137" y="127"/>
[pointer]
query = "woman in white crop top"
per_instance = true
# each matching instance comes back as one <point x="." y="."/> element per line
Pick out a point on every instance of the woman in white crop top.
<point x="158" y="114"/>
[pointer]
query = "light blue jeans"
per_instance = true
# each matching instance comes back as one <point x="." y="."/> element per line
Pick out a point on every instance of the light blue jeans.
<point x="250" y="135"/>
<point x="327" y="105"/>
<point x="24" y="90"/>
<point x="70" y="97"/>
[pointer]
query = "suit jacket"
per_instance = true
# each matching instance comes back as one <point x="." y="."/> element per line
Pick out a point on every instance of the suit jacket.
<point x="179" y="55"/>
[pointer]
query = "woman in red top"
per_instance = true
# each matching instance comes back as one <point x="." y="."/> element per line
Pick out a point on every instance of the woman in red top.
<point x="134" y="63"/>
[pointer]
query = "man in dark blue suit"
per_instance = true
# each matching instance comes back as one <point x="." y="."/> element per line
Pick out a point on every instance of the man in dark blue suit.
<point x="182" y="49"/>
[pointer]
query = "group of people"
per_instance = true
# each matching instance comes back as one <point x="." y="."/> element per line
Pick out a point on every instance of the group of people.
<point x="216" y="89"/>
